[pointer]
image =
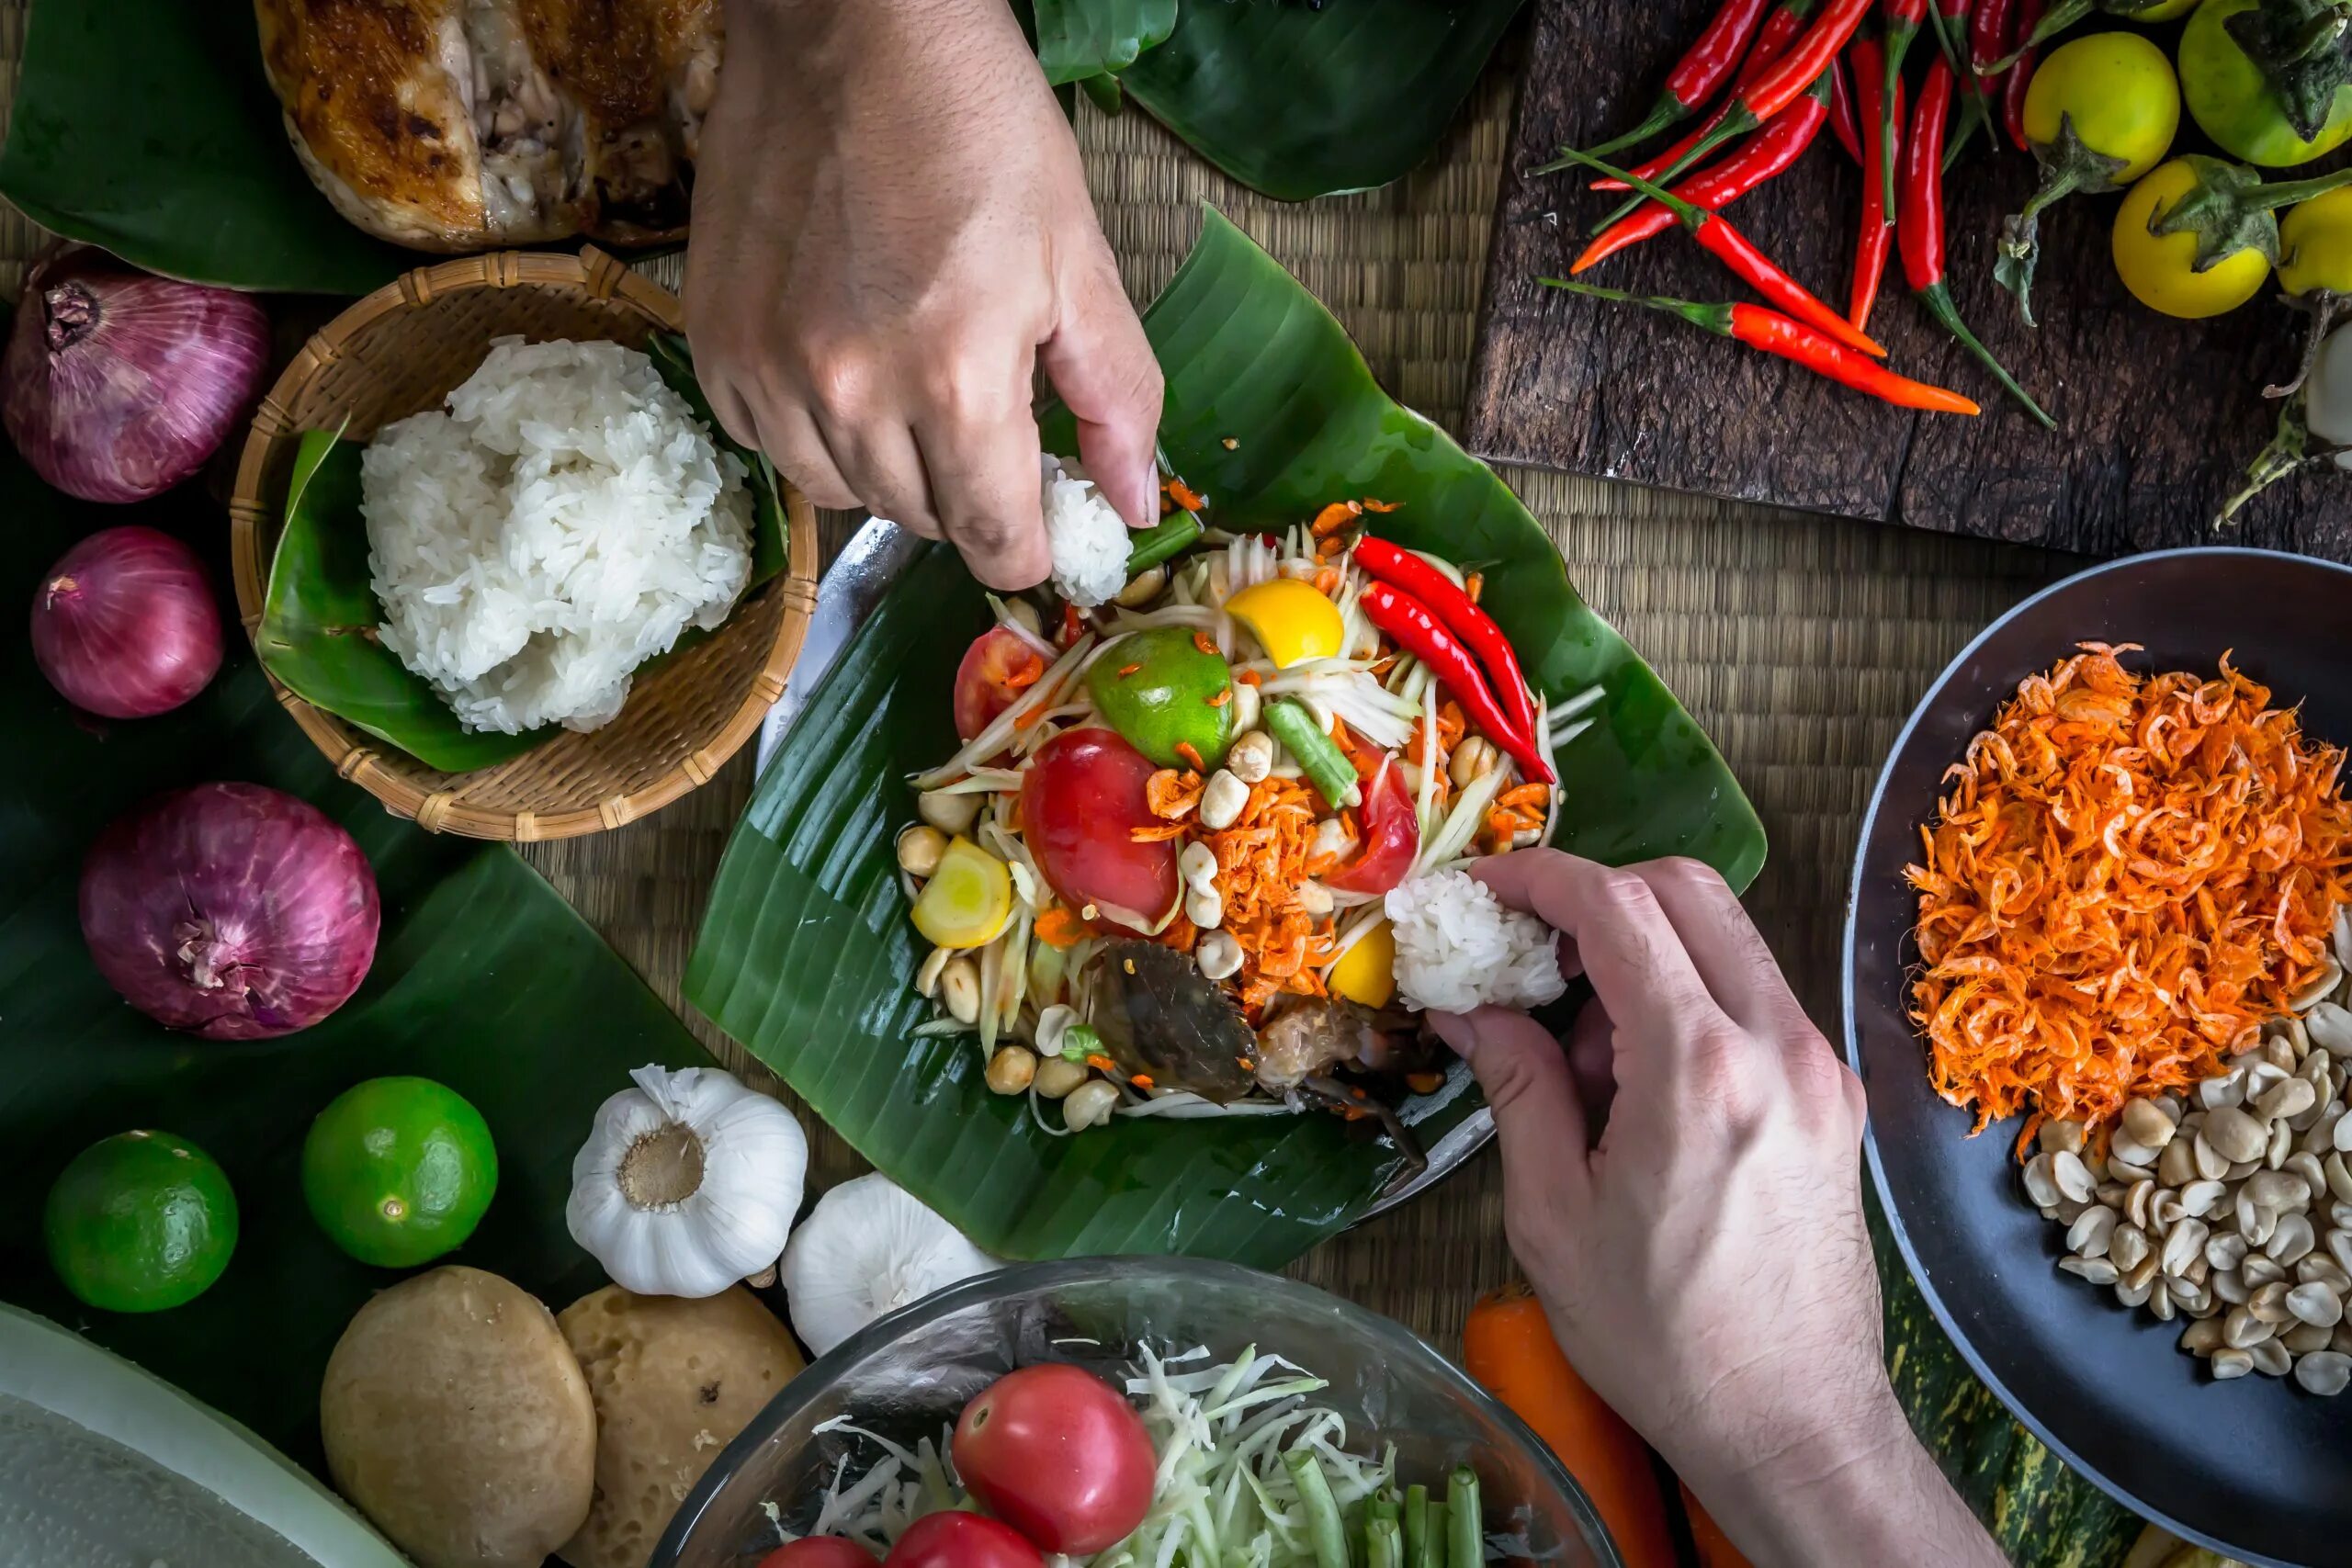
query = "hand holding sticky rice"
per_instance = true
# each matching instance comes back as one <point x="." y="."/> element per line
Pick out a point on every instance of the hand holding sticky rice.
<point x="1702" y="1257"/>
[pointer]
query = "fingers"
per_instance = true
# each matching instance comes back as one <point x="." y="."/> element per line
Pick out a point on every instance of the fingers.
<point x="1538" y="1116"/>
<point x="1629" y="948"/>
<point x="1726" y="947"/>
<point x="788" y="434"/>
<point x="1102" y="364"/>
<point x="984" y="478"/>
<point x="882" y="463"/>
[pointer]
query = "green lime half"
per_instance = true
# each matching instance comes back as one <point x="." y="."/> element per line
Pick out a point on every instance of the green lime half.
<point x="141" y="1221"/>
<point x="398" y="1171"/>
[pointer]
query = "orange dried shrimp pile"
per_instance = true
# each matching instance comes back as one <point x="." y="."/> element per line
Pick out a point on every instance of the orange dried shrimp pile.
<point x="2125" y="880"/>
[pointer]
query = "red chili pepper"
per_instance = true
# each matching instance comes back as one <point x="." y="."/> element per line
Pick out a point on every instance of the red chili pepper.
<point x="1720" y="238"/>
<point x="1780" y="30"/>
<point x="2030" y="33"/>
<point x="1903" y="19"/>
<point x="1989" y="39"/>
<point x="1705" y="66"/>
<point x="1951" y="21"/>
<point x="1418" y="631"/>
<point x="1789" y="78"/>
<point x="1793" y="341"/>
<point x="1882" y="128"/>
<point x="1772" y="150"/>
<point x="1384" y="562"/>
<point x="1920" y="227"/>
<point x="1841" y="113"/>
<point x="2021" y="76"/>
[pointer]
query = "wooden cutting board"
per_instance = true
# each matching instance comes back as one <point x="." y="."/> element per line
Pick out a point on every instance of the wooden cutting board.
<point x="2157" y="418"/>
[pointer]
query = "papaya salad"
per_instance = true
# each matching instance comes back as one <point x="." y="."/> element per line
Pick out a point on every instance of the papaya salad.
<point x="1202" y="849"/>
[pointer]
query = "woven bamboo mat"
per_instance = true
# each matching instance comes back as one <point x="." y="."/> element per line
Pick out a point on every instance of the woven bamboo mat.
<point x="1800" y="642"/>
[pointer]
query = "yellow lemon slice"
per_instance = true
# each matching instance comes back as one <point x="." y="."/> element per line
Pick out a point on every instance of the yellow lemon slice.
<point x="967" y="900"/>
<point x="1366" y="973"/>
<point x="1290" y="620"/>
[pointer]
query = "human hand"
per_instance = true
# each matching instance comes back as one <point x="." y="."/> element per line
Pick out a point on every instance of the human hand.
<point x="891" y="232"/>
<point x="1704" y="1264"/>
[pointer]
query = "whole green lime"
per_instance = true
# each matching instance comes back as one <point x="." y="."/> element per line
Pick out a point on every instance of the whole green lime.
<point x="398" y="1170"/>
<point x="141" y="1221"/>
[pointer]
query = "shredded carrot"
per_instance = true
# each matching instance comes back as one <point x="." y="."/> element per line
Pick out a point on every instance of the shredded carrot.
<point x="1536" y="794"/>
<point x="1372" y="505"/>
<point x="1028" y="674"/>
<point x="1181" y="933"/>
<point x="1103" y="1063"/>
<point x="1472" y="583"/>
<point x="1171" y="794"/>
<point x="1127" y="669"/>
<point x="1192" y="756"/>
<point x="1326" y="580"/>
<point x="1057" y="926"/>
<point x="1365" y="756"/>
<point x="1334" y="517"/>
<point x="1186" y="498"/>
<point x="1141" y="1080"/>
<point x="1224" y="695"/>
<point x="1249" y="677"/>
<point x="1157" y="832"/>
<point x="1205" y="642"/>
<point x="1029" y="721"/>
<point x="1425" y="1083"/>
<point x="2126" y="878"/>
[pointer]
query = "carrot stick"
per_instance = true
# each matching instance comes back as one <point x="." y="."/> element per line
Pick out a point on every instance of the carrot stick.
<point x="1508" y="1347"/>
<point x="1708" y="1542"/>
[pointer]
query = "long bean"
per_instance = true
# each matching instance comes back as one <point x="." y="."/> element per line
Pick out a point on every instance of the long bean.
<point x="1324" y="1529"/>
<point x="1384" y="1544"/>
<point x="1466" y="1537"/>
<point x="1417" y="1524"/>
<point x="1318" y="756"/>
<point x="1432" y="1552"/>
<point x="1161" y="541"/>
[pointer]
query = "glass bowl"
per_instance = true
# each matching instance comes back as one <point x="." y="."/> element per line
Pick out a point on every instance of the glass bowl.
<point x="908" y="1375"/>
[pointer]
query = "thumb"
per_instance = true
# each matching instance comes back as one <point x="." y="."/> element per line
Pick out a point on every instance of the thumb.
<point x="1539" y="1116"/>
<point x="1102" y="365"/>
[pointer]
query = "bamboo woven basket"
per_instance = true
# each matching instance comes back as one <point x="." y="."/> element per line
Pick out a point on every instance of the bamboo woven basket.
<point x="400" y="351"/>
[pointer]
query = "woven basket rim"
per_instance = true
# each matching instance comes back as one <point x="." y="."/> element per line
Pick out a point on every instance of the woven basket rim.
<point x="394" y="777"/>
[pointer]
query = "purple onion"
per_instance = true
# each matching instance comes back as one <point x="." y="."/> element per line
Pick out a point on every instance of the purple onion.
<point x="231" y="910"/>
<point x="116" y="385"/>
<point x="124" y="624"/>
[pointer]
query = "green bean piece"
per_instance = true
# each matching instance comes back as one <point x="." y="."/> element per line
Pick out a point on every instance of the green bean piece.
<point x="1318" y="756"/>
<point x="1381" y="1506"/>
<point x="1384" y="1544"/>
<point x="1324" y="1529"/>
<point x="1417" y="1524"/>
<point x="1171" y="536"/>
<point x="1465" y="1536"/>
<point x="1432" y="1552"/>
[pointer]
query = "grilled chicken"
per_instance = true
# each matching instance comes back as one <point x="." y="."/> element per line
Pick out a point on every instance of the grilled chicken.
<point x="459" y="125"/>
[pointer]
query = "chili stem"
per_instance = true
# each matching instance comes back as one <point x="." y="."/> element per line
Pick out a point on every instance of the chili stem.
<point x="2057" y="21"/>
<point x="1936" y="297"/>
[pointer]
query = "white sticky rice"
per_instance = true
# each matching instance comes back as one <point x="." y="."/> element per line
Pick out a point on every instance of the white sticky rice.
<point x="1458" y="948"/>
<point x="1085" y="533"/>
<point x="563" y="522"/>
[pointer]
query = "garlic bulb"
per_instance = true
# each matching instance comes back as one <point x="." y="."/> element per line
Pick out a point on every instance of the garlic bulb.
<point x="688" y="1182"/>
<point x="869" y="1247"/>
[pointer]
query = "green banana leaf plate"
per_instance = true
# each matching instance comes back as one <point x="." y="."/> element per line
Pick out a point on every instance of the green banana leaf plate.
<point x="322" y="604"/>
<point x="484" y="979"/>
<point x="147" y="126"/>
<point x="806" y="956"/>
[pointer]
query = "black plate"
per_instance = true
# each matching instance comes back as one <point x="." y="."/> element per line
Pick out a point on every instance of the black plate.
<point x="2258" y="1468"/>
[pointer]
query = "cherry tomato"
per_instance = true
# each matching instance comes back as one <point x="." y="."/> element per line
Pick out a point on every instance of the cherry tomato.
<point x="1083" y="799"/>
<point x="819" y="1551"/>
<point x="1392" y="832"/>
<point x="1059" y="1454"/>
<point x="996" y="669"/>
<point x="959" y="1539"/>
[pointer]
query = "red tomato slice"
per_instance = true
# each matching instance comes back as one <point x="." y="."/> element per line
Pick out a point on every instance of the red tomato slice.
<point x="1079" y="806"/>
<point x="819" y="1551"/>
<point x="1392" y="833"/>
<point x="959" y="1539"/>
<point x="1059" y="1455"/>
<point x="996" y="669"/>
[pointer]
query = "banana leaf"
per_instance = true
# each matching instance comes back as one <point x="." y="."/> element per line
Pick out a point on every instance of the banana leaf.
<point x="1298" y="102"/>
<point x="147" y="126"/>
<point x="805" y="952"/>
<point x="1079" y="39"/>
<point x="484" y="979"/>
<point x="321" y="611"/>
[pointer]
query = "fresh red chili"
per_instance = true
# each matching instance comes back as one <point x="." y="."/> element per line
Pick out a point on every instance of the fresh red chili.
<point x="1793" y="341"/>
<point x="1950" y="19"/>
<point x="1841" y="113"/>
<point x="1988" y="38"/>
<point x="1882" y="128"/>
<point x="1780" y="30"/>
<point x="1920" y="227"/>
<point x="1786" y="80"/>
<point x="1705" y="66"/>
<point x="1719" y="238"/>
<point x="1384" y="562"/>
<point x="1418" y="631"/>
<point x="2021" y="76"/>
<point x="1768" y="153"/>
<point x="1903" y="19"/>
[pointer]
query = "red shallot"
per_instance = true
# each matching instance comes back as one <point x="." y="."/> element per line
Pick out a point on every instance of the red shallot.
<point x="116" y="385"/>
<point x="234" y="910"/>
<point x="124" y="624"/>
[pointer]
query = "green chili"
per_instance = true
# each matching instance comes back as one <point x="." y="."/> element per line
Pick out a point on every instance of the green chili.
<point x="1323" y="1526"/>
<point x="1417" y="1524"/>
<point x="1168" y="537"/>
<point x="1465" y="1532"/>
<point x="1079" y="1041"/>
<point x="1319" y="757"/>
<point x="1432" y="1552"/>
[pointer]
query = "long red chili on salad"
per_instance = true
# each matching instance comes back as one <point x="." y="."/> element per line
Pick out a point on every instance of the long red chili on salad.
<point x="1718" y="237"/>
<point x="1766" y="155"/>
<point x="1793" y="341"/>
<point x="1705" y="66"/>
<point x="1401" y="569"/>
<point x="1780" y="30"/>
<point x="1419" y="633"/>
<point x="1881" y="124"/>
<point x="1919" y="228"/>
